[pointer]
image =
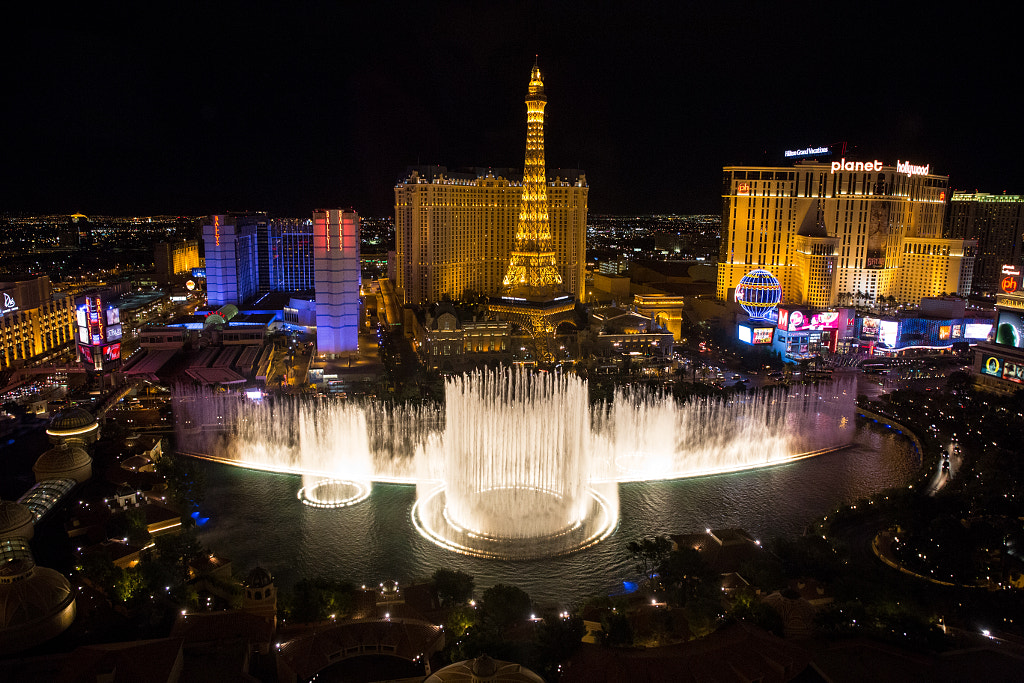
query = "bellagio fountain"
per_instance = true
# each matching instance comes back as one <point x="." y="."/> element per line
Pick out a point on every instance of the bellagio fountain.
<point x="515" y="464"/>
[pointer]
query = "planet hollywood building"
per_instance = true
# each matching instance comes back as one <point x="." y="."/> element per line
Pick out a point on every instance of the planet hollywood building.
<point x="841" y="232"/>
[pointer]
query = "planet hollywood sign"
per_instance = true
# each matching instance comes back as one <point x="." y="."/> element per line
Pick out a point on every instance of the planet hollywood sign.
<point x="1011" y="279"/>
<point x="876" y="165"/>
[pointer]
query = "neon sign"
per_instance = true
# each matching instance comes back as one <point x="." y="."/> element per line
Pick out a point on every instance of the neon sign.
<point x="798" y="321"/>
<point x="910" y="169"/>
<point x="9" y="304"/>
<point x="809" y="152"/>
<point x="844" y="165"/>
<point x="1009" y="284"/>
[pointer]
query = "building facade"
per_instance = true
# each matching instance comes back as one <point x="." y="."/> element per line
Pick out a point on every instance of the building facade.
<point x="176" y="258"/>
<point x="33" y="322"/>
<point x="232" y="264"/>
<point x="997" y="223"/>
<point x="249" y="254"/>
<point x="841" y="232"/>
<point x="336" y="280"/>
<point x="455" y="231"/>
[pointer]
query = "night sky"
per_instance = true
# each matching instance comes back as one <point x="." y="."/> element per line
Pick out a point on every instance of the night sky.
<point x="290" y="107"/>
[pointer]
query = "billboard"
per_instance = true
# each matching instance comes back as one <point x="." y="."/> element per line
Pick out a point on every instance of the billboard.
<point x="944" y="332"/>
<point x="889" y="332"/>
<point x="1009" y="329"/>
<point x="869" y="328"/>
<point x="995" y="366"/>
<point x="749" y="334"/>
<point x="798" y="321"/>
<point x="112" y="352"/>
<point x="977" y="330"/>
<point x="878" y="234"/>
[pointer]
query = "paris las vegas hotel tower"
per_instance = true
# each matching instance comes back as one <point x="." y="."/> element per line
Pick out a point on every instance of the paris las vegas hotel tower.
<point x="466" y="232"/>
<point x="835" y="232"/>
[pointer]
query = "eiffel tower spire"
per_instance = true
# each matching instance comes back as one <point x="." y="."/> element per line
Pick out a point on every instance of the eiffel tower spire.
<point x="532" y="270"/>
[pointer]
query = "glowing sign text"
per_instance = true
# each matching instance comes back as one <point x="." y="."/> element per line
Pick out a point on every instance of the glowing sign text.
<point x="810" y="151"/>
<point x="910" y="169"/>
<point x="844" y="165"/>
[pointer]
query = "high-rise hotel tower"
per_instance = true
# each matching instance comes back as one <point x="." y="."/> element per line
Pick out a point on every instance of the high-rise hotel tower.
<point x="456" y="232"/>
<point x="841" y="232"/>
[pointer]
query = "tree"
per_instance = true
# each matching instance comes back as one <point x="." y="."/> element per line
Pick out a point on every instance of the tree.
<point x="557" y="639"/>
<point x="685" y="572"/>
<point x="616" y="630"/>
<point x="453" y="587"/>
<point x="503" y="605"/>
<point x="649" y="554"/>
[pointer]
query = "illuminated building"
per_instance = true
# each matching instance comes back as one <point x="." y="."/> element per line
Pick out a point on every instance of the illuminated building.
<point x="290" y="254"/>
<point x="32" y="321"/>
<point x="176" y="258"/>
<point x="337" y="280"/>
<point x="841" y="232"/>
<point x="249" y="254"/>
<point x="997" y="223"/>
<point x="533" y="293"/>
<point x="457" y="233"/>
<point x="232" y="268"/>
<point x="99" y="333"/>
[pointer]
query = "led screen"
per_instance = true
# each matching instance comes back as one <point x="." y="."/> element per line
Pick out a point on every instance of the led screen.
<point x="977" y="330"/>
<point x="1003" y="369"/>
<point x="744" y="334"/>
<point x="113" y="316"/>
<point x="798" y="321"/>
<point x="1009" y="329"/>
<point x="112" y="352"/>
<point x="889" y="331"/>
<point x="944" y="331"/>
<point x="869" y="328"/>
<point x="763" y="335"/>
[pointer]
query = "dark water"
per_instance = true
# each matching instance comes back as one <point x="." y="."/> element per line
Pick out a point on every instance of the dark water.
<point x="256" y="517"/>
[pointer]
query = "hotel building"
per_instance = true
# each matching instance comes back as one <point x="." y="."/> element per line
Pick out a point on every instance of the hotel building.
<point x="250" y="254"/>
<point x="455" y="231"/>
<point x="997" y="223"/>
<point x="32" y="321"/>
<point x="176" y="258"/>
<point x="337" y="280"/>
<point x="839" y="233"/>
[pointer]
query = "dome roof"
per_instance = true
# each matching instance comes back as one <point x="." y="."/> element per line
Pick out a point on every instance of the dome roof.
<point x="62" y="458"/>
<point x="29" y="593"/>
<point x="483" y="669"/>
<point x="259" y="578"/>
<point x="71" y="420"/>
<point x="13" y="515"/>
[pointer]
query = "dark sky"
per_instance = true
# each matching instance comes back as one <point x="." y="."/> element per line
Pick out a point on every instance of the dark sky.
<point x="287" y="107"/>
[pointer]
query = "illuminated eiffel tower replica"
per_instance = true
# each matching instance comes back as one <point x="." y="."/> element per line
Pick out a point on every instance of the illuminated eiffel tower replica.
<point x="532" y="295"/>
